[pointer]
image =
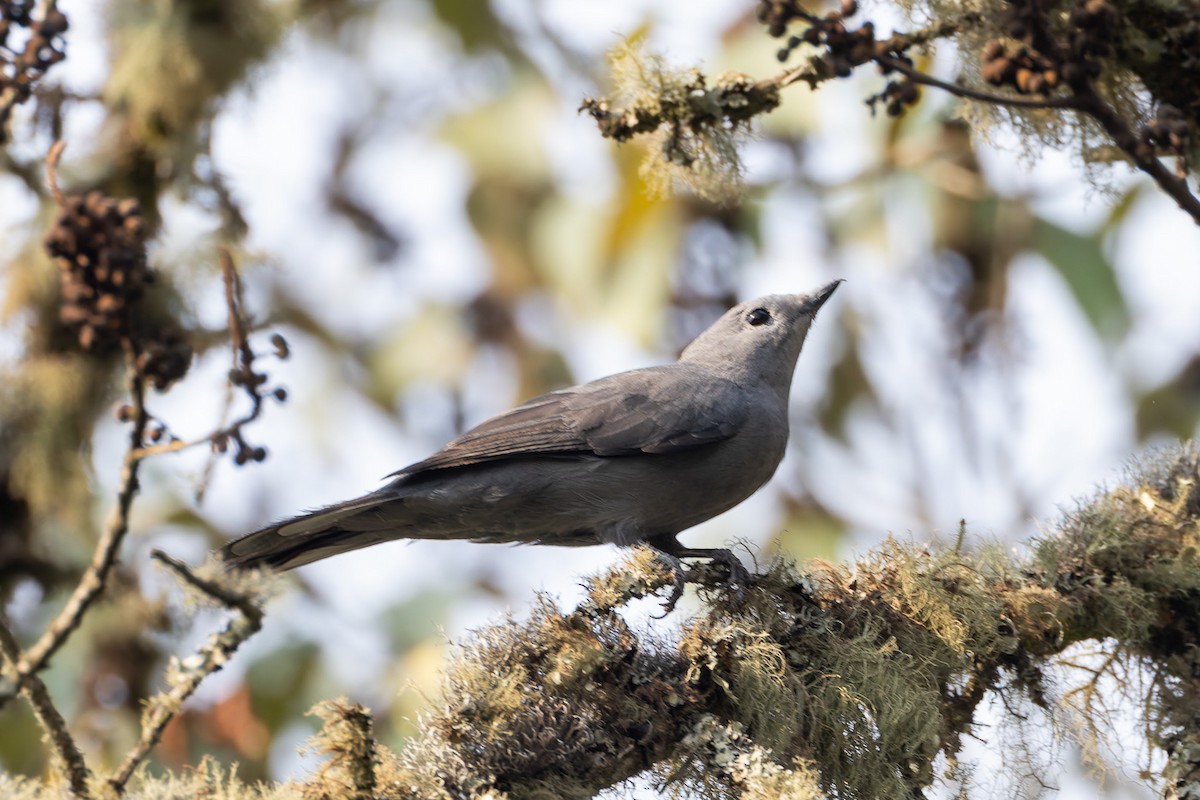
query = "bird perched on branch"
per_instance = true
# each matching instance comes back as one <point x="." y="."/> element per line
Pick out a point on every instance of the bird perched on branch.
<point x="635" y="457"/>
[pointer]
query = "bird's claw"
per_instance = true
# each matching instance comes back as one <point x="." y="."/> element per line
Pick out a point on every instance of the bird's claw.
<point x="739" y="577"/>
<point x="680" y="576"/>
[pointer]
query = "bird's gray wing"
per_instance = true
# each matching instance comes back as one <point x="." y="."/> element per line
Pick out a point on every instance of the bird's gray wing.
<point x="654" y="410"/>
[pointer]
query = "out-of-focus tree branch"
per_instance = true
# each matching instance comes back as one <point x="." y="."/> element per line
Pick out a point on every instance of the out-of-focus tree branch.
<point x="185" y="676"/>
<point x="42" y="49"/>
<point x="99" y="246"/>
<point x="1081" y="70"/>
<point x="49" y="717"/>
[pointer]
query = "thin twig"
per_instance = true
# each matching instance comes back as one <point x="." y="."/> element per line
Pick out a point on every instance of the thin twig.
<point x="91" y="585"/>
<point x="231" y="599"/>
<point x="811" y="73"/>
<point x="28" y="172"/>
<point x="233" y="301"/>
<point x="243" y="364"/>
<point x="1123" y="136"/>
<point x="974" y="94"/>
<point x="184" y="677"/>
<point x="35" y="691"/>
<point x="52" y="159"/>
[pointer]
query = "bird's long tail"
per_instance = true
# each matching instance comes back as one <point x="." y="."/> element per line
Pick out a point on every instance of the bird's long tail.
<point x="313" y="536"/>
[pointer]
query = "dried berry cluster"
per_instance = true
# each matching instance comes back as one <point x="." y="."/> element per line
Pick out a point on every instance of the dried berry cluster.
<point x="848" y="47"/>
<point x="845" y="47"/>
<point x="98" y="243"/>
<point x="1042" y="62"/>
<point x="1028" y="72"/>
<point x="22" y="65"/>
<point x="896" y="96"/>
<point x="1167" y="134"/>
<point x="251" y="381"/>
<point x="1093" y="27"/>
<point x="165" y="359"/>
<point x="243" y="452"/>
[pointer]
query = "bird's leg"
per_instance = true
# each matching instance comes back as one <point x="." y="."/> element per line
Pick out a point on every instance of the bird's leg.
<point x="672" y="552"/>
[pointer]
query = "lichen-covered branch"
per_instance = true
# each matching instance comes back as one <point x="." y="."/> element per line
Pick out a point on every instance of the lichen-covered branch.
<point x="51" y="720"/>
<point x="1093" y="67"/>
<point x="346" y="738"/>
<point x="695" y="126"/>
<point x="850" y="680"/>
<point x="696" y="105"/>
<point x="184" y="676"/>
<point x="98" y="245"/>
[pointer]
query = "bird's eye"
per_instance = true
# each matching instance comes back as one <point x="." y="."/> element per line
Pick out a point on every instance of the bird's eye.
<point x="759" y="316"/>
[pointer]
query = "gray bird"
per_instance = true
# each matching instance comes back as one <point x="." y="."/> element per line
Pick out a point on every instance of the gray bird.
<point x="635" y="457"/>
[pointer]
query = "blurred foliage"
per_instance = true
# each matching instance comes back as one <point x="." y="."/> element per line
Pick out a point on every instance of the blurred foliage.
<point x="575" y="246"/>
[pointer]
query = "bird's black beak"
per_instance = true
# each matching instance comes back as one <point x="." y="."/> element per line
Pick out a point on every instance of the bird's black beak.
<point x="817" y="299"/>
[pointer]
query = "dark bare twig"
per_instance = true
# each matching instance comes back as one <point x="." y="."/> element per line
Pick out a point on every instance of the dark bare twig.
<point x="241" y="374"/>
<point x="184" y="677"/>
<point x="975" y="94"/>
<point x="1123" y="137"/>
<point x="35" y="691"/>
<point x="242" y="354"/>
<point x="1085" y="101"/>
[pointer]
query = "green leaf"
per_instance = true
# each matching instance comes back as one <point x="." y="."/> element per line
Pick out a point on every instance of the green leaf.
<point x="1081" y="262"/>
<point x="473" y="22"/>
<point x="1173" y="408"/>
<point x="280" y="680"/>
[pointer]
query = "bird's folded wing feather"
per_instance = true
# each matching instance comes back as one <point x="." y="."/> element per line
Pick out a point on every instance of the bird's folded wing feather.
<point x="655" y="410"/>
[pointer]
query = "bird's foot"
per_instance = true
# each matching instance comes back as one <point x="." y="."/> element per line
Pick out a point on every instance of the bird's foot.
<point x="739" y="576"/>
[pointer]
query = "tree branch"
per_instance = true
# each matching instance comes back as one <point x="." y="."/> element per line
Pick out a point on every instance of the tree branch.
<point x="241" y="374"/>
<point x="974" y="94"/>
<point x="92" y="584"/>
<point x="1124" y="138"/>
<point x="184" y="677"/>
<point x="35" y="691"/>
<point x="1085" y="101"/>
<point x="29" y="66"/>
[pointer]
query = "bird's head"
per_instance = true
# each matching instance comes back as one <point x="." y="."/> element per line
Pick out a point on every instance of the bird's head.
<point x="759" y="339"/>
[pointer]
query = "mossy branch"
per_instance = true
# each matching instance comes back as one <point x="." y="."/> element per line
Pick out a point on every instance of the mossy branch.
<point x="351" y="771"/>
<point x="849" y="680"/>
